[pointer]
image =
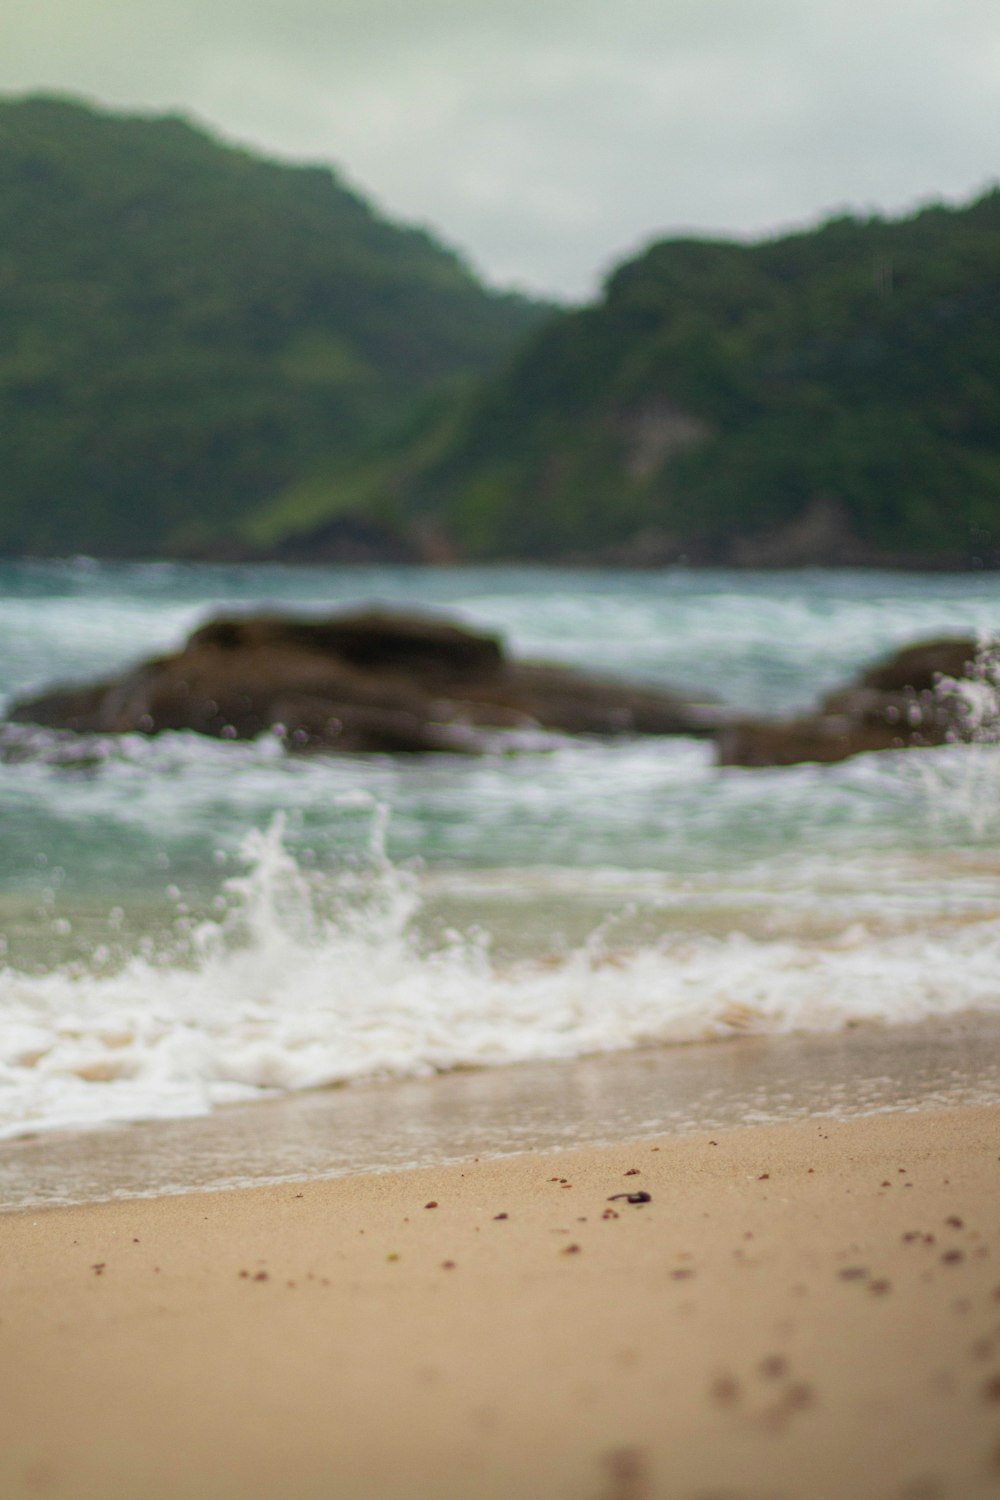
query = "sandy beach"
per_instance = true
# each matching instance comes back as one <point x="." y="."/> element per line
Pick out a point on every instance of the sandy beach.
<point x="810" y="1309"/>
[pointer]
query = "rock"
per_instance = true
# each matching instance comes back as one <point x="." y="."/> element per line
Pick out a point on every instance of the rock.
<point x="367" y="681"/>
<point x="895" y="704"/>
<point x="372" y="639"/>
<point x="820" y="536"/>
<point x="823" y="738"/>
<point x="920" y="668"/>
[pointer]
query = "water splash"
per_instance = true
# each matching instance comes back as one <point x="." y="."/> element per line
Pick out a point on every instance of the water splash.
<point x="306" y="980"/>
<point x="965" y="785"/>
<point x="975" y="698"/>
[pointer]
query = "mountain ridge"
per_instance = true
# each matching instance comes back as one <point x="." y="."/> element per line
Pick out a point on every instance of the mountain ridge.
<point x="187" y="328"/>
<point x="205" y="353"/>
<point x="831" y="396"/>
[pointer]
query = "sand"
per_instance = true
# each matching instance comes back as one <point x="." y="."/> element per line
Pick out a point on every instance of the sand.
<point x="804" y="1310"/>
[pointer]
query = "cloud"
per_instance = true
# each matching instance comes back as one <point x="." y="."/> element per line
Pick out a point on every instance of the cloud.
<point x="548" y="138"/>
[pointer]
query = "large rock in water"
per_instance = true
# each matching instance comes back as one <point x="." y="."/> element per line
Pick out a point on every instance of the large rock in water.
<point x="897" y="703"/>
<point x="369" y="681"/>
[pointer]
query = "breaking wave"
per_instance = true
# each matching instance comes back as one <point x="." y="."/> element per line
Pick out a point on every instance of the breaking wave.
<point x="302" y="980"/>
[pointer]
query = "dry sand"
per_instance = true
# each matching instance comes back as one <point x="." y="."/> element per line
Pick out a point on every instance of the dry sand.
<point x="810" y="1310"/>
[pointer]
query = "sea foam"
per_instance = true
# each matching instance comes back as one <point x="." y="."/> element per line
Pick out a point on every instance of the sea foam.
<point x="303" y="981"/>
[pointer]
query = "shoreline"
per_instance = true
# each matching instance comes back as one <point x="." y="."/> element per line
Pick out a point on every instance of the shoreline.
<point x="403" y="1124"/>
<point x="808" y="1309"/>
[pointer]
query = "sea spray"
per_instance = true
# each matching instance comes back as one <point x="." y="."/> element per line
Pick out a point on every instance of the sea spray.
<point x="306" y="979"/>
<point x="964" y="785"/>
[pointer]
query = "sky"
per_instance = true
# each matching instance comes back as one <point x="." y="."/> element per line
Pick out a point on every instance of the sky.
<point x="548" y="140"/>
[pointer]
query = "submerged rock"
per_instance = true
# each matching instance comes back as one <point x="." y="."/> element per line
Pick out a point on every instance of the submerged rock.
<point x="897" y="703"/>
<point x="367" y="681"/>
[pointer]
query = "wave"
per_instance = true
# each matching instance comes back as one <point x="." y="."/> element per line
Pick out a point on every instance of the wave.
<point x="303" y="981"/>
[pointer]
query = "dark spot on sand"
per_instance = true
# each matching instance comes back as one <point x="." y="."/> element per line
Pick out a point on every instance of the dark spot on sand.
<point x="725" y="1388"/>
<point x="632" y="1172"/>
<point x="763" y="1176"/>
<point x="910" y="1236"/>
<point x="98" y="1269"/>
<point x="262" y="1276"/>
<point x="887" y="1183"/>
<point x="955" y="1222"/>
<point x="501" y="1216"/>
<point x="134" y="1240"/>
<point x="609" y="1213"/>
<point x="244" y="1274"/>
<point x="639" y="1197"/>
<point x="431" y="1204"/>
<point x="991" y="1389"/>
<point x="773" y="1366"/>
<point x="852" y="1273"/>
<point x="682" y="1273"/>
<point x="447" y="1265"/>
<point x="628" y="1472"/>
<point x="879" y="1287"/>
<point x="570" y="1250"/>
<point x="952" y="1257"/>
<point x="713" y="1143"/>
<point x="799" y="1396"/>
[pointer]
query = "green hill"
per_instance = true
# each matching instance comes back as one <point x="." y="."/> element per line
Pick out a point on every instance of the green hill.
<point x="831" y="396"/>
<point x="191" y="335"/>
<point x="206" y="353"/>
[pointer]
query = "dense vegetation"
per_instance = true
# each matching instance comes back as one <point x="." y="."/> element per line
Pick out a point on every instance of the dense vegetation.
<point x="206" y="353"/>
<point x="831" y="396"/>
<point x="188" y="331"/>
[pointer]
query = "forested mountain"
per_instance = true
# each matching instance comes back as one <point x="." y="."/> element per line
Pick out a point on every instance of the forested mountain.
<point x="830" y="396"/>
<point x="204" y="353"/>
<point x="188" y="331"/>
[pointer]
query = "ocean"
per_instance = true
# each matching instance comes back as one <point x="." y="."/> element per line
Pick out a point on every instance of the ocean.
<point x="189" y="924"/>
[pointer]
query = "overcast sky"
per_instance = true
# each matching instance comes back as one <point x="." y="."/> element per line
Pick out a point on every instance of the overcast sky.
<point x="547" y="139"/>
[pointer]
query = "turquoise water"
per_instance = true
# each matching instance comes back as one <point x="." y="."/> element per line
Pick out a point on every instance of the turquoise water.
<point x="170" y="945"/>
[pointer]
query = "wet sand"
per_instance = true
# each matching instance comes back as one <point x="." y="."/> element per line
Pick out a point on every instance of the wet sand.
<point x="809" y="1309"/>
<point x="634" y="1095"/>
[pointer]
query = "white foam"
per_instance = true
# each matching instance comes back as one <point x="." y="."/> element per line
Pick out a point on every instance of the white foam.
<point x="302" y="983"/>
